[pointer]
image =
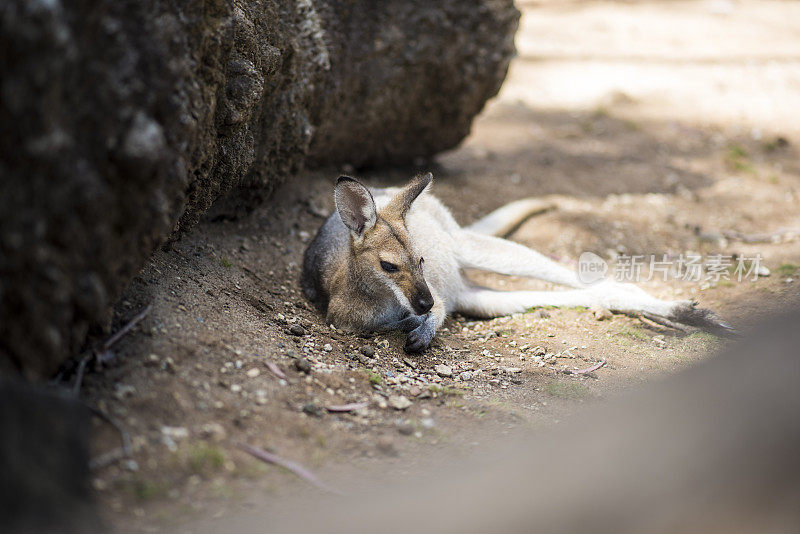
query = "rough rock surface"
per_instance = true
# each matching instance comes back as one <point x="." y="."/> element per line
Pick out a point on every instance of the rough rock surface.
<point x="121" y="121"/>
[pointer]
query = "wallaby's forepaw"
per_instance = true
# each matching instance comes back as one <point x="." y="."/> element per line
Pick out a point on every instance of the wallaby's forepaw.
<point x="689" y="314"/>
<point x="420" y="338"/>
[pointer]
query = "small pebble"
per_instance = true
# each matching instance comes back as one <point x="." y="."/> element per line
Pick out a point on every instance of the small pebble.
<point x="327" y="347"/>
<point x="602" y="314"/>
<point x="297" y="330"/>
<point x="213" y="431"/>
<point x="122" y="391"/>
<point x="466" y="375"/>
<point x="367" y="351"/>
<point x="175" y="432"/>
<point x="313" y="410"/>
<point x="443" y="370"/>
<point x="405" y="429"/>
<point x="252" y="373"/>
<point x="302" y="365"/>
<point x="168" y="365"/>
<point x="169" y="443"/>
<point x="399" y="402"/>
<point x="386" y="446"/>
<point x="131" y="465"/>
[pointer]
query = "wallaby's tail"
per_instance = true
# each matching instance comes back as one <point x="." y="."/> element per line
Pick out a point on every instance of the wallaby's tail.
<point x="506" y="219"/>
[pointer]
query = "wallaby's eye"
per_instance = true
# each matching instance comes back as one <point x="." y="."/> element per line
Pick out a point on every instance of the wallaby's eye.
<point x="389" y="267"/>
<point x="421" y="262"/>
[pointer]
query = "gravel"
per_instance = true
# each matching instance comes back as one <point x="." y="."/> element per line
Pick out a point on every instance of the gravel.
<point x="409" y="362"/>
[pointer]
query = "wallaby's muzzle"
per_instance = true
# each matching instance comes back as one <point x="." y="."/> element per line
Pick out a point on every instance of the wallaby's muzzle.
<point x="422" y="301"/>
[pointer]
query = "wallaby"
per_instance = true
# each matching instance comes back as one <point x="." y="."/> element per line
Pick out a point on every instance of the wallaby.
<point x="392" y="259"/>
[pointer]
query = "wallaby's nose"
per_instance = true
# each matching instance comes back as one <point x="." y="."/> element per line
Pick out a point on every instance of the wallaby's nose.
<point x="423" y="304"/>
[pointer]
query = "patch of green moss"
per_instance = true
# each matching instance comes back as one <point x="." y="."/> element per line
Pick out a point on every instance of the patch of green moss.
<point x="374" y="377"/>
<point x="633" y="332"/>
<point x="787" y="269"/>
<point x="205" y="458"/>
<point x="566" y="389"/>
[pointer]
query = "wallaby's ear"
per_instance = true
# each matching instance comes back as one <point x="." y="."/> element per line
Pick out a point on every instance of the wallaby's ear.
<point x="355" y="205"/>
<point x="400" y="204"/>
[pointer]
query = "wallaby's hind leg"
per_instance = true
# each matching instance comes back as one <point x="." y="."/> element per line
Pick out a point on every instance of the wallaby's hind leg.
<point x="483" y="302"/>
<point x="628" y="299"/>
<point x="506" y="257"/>
<point x="488" y="303"/>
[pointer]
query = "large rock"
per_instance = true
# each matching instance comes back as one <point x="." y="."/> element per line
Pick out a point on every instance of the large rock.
<point x="44" y="458"/>
<point x="410" y="78"/>
<point x="121" y="121"/>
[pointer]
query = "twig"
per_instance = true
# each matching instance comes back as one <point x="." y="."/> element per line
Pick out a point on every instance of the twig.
<point x="274" y="369"/>
<point x="104" y="349"/>
<point x="125" y="451"/>
<point x="76" y="387"/>
<point x="594" y="367"/>
<point x="759" y="238"/>
<point x="294" y="467"/>
<point x="347" y="407"/>
<point x="110" y="342"/>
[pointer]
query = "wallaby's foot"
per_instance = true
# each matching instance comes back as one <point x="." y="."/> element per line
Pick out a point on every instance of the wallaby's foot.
<point x="633" y="300"/>
<point x="420" y="338"/>
<point x="409" y="323"/>
<point x="688" y="313"/>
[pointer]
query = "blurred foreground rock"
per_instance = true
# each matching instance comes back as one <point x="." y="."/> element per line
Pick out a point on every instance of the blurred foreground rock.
<point x="712" y="449"/>
<point x="121" y="121"/>
<point x="44" y="460"/>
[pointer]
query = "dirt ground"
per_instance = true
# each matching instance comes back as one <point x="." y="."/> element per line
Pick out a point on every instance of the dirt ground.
<point x="663" y="127"/>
